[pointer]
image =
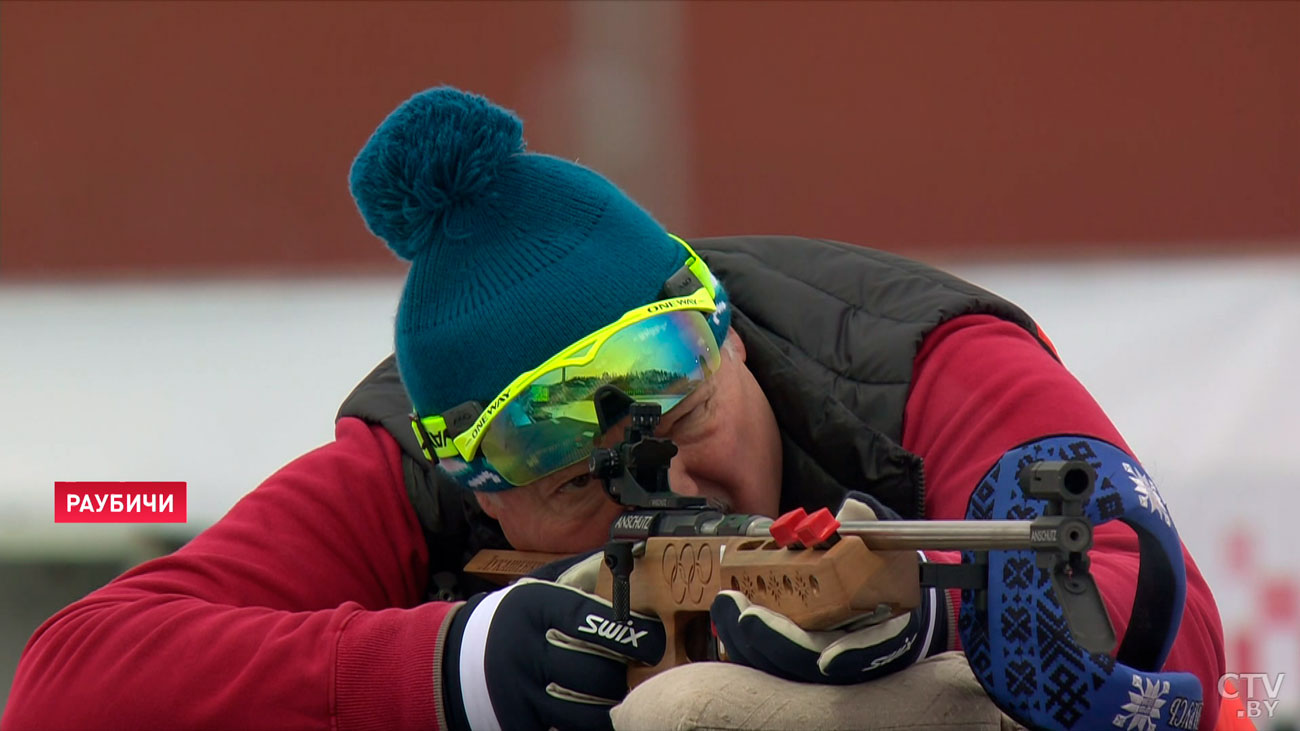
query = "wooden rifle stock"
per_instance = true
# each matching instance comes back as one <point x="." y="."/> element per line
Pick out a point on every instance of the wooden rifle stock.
<point x="677" y="577"/>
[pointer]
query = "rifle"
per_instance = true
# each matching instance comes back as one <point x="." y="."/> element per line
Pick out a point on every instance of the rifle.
<point x="670" y="554"/>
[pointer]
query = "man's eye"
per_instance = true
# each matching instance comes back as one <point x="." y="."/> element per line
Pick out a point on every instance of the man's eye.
<point x="576" y="483"/>
<point x="690" y="418"/>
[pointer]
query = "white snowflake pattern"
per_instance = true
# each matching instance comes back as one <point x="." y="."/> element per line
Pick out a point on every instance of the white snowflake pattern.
<point x="717" y="313"/>
<point x="1148" y="495"/>
<point x="1143" y="706"/>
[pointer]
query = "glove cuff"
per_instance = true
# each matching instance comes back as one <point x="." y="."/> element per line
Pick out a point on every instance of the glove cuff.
<point x="446" y="663"/>
<point x="440" y="695"/>
<point x="951" y="607"/>
<point x="937" y="622"/>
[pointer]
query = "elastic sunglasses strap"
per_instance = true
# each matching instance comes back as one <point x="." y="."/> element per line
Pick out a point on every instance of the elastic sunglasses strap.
<point x="455" y="420"/>
<point x="681" y="284"/>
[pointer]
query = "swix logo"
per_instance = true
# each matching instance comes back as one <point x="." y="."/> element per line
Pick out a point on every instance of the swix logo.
<point x="618" y="632"/>
<point x="891" y="656"/>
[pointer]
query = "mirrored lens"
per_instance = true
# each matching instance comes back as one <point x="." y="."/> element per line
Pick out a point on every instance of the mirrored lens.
<point x="552" y="424"/>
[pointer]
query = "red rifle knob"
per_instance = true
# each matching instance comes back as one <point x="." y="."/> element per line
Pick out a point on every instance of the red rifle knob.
<point x="817" y="527"/>
<point x="783" y="528"/>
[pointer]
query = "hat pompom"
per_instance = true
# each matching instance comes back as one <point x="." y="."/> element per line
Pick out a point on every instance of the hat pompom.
<point x="438" y="151"/>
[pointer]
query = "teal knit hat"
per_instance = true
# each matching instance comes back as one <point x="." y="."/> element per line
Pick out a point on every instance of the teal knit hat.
<point x="514" y="255"/>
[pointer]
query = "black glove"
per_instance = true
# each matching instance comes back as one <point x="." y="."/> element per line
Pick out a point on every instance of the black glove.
<point x="769" y="641"/>
<point x="539" y="654"/>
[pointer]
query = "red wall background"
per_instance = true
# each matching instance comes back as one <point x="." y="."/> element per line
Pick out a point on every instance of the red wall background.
<point x="929" y="124"/>
<point x="165" y="138"/>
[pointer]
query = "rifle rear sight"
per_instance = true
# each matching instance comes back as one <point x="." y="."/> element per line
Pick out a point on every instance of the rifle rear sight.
<point x="635" y="473"/>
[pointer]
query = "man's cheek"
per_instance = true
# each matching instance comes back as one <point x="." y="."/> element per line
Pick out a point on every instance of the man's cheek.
<point x="593" y="530"/>
<point x="574" y="538"/>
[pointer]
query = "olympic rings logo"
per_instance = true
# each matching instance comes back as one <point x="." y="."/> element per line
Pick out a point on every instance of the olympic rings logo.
<point x="687" y="570"/>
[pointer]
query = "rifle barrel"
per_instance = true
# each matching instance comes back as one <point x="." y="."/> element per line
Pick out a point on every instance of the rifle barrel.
<point x="938" y="535"/>
<point x="970" y="535"/>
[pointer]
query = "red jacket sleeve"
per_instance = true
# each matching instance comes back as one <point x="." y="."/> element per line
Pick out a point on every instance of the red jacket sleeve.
<point x="299" y="609"/>
<point x="983" y="386"/>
